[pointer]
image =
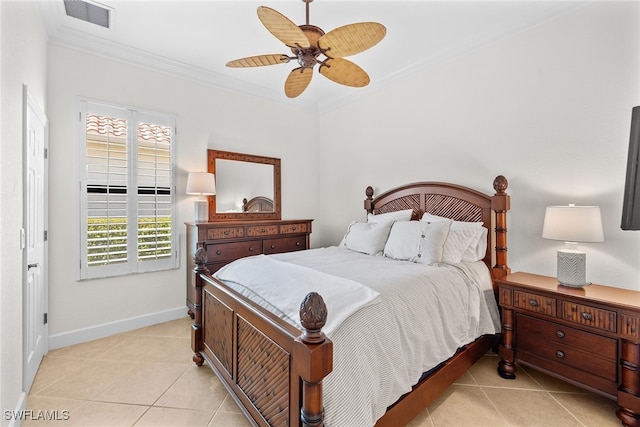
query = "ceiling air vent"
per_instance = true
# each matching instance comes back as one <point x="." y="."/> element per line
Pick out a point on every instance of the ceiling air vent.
<point x="89" y="12"/>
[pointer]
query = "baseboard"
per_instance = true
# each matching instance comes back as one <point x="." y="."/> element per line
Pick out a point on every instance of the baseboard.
<point x="77" y="336"/>
<point x="16" y="416"/>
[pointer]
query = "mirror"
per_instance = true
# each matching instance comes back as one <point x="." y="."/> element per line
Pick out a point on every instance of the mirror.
<point x="245" y="184"/>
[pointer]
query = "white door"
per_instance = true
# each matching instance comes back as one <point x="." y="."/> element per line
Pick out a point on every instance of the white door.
<point x="35" y="336"/>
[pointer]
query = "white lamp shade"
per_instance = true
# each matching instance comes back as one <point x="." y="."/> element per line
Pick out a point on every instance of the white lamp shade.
<point x="573" y="224"/>
<point x="201" y="184"/>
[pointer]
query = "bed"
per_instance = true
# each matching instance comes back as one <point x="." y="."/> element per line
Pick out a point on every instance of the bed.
<point x="275" y="370"/>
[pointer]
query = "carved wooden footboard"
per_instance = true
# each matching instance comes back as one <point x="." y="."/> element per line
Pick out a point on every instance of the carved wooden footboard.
<point x="274" y="371"/>
<point x="267" y="365"/>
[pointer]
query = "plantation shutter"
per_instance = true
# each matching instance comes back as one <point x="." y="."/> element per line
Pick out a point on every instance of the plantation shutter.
<point x="154" y="190"/>
<point x="127" y="191"/>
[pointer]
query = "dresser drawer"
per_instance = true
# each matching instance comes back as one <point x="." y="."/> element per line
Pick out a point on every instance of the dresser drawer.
<point x="535" y="303"/>
<point x="218" y="233"/>
<point x="262" y="230"/>
<point x="589" y="316"/>
<point x="219" y="252"/>
<point x="294" y="228"/>
<point x="285" y="244"/>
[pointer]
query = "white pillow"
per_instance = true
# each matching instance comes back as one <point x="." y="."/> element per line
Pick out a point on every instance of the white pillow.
<point x="367" y="237"/>
<point x="467" y="241"/>
<point x="479" y="250"/>
<point x="417" y="241"/>
<point x="404" y="215"/>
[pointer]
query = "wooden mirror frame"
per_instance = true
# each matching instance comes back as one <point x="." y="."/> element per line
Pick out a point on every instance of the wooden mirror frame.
<point x="212" y="155"/>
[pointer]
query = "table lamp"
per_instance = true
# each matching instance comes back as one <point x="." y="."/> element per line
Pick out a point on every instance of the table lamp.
<point x="201" y="184"/>
<point x="572" y="224"/>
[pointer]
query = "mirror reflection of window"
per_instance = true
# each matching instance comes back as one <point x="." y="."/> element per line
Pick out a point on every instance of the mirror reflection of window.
<point x="236" y="180"/>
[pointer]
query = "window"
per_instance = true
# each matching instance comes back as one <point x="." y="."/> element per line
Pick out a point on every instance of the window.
<point x="127" y="191"/>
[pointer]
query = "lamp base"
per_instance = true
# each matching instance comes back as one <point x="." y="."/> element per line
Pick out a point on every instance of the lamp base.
<point x="201" y="210"/>
<point x="572" y="268"/>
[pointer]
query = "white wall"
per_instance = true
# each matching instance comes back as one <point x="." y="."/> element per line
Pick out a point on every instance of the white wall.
<point x="23" y="55"/>
<point x="549" y="108"/>
<point x="207" y="118"/>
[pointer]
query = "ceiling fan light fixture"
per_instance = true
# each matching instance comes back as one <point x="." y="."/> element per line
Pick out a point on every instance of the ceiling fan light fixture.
<point x="309" y="42"/>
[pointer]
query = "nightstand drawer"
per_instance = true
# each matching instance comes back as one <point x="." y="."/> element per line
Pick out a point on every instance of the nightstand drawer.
<point x="542" y="333"/>
<point x="220" y="252"/>
<point x="591" y="354"/>
<point x="589" y="316"/>
<point x="534" y="302"/>
<point x="285" y="244"/>
<point x="629" y="324"/>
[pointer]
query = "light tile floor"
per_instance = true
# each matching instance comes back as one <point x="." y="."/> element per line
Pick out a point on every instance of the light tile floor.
<point x="146" y="378"/>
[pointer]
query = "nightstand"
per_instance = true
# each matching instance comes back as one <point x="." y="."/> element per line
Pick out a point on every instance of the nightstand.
<point x="587" y="336"/>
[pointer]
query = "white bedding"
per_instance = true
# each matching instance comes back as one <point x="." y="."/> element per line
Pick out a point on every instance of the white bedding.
<point x="424" y="314"/>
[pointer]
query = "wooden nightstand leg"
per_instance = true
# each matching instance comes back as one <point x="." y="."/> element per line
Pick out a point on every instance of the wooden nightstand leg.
<point x="506" y="366"/>
<point x="629" y="390"/>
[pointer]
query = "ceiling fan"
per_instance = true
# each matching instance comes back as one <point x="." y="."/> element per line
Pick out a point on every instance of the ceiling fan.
<point x="308" y="43"/>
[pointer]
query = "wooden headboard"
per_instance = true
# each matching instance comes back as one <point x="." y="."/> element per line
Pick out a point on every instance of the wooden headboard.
<point x="458" y="203"/>
<point x="257" y="204"/>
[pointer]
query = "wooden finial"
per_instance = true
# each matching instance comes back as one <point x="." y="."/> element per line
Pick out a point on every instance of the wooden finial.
<point x="368" y="202"/>
<point x="500" y="184"/>
<point x="200" y="258"/>
<point x="313" y="316"/>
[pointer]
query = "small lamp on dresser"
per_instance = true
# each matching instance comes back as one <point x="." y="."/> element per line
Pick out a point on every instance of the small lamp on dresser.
<point x="572" y="224"/>
<point x="201" y="184"/>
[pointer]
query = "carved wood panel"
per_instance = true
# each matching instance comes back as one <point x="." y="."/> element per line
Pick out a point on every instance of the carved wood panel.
<point x="452" y="207"/>
<point x="218" y="330"/>
<point x="263" y="374"/>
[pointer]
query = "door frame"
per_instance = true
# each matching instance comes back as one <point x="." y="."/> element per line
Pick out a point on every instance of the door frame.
<point x="29" y="104"/>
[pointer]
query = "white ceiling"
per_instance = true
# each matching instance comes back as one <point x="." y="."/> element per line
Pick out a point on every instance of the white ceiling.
<point x="194" y="39"/>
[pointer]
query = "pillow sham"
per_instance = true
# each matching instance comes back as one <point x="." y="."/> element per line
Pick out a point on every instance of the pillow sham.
<point x="367" y="237"/>
<point x="417" y="241"/>
<point x="479" y="250"/>
<point x="404" y="215"/>
<point x="467" y="241"/>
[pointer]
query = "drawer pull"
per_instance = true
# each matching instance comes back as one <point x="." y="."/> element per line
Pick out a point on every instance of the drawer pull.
<point x="218" y="252"/>
<point x="297" y="243"/>
<point x="251" y="249"/>
<point x="273" y="246"/>
<point x="294" y="228"/>
<point x="560" y="354"/>
<point x="263" y="230"/>
<point x="560" y="334"/>
<point x="226" y="232"/>
<point x="587" y="316"/>
<point x="533" y="303"/>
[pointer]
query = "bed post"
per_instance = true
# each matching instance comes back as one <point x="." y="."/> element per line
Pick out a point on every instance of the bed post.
<point x="368" y="202"/>
<point x="500" y="205"/>
<point x="200" y="259"/>
<point x="313" y="358"/>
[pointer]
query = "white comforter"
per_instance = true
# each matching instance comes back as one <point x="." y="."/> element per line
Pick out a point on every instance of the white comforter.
<point x="424" y="314"/>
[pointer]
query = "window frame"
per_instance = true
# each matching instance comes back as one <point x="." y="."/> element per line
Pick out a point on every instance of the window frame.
<point x="132" y="265"/>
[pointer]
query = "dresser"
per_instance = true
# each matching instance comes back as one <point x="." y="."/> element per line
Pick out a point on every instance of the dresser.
<point x="587" y="336"/>
<point x="228" y="241"/>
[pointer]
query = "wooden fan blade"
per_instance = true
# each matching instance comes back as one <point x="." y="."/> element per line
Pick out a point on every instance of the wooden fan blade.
<point x="258" y="61"/>
<point x="351" y="39"/>
<point x="282" y="27"/>
<point x="297" y="81"/>
<point x="344" y="72"/>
